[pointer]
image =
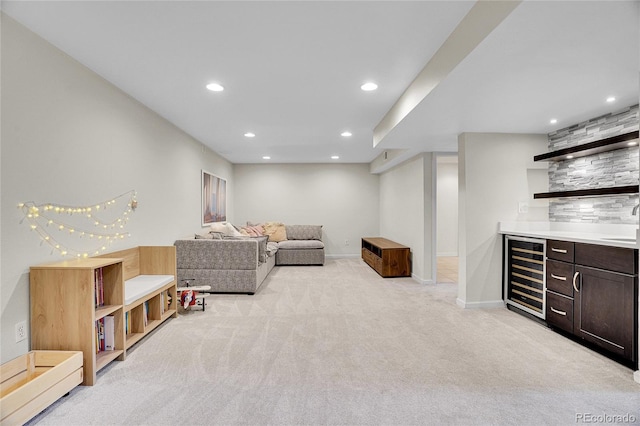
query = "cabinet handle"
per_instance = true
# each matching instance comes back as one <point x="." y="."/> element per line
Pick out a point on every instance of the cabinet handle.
<point x="575" y="277"/>
<point x="557" y="277"/>
<point x="558" y="312"/>
<point x="557" y="250"/>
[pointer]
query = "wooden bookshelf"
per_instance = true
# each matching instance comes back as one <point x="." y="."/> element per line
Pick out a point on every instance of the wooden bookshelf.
<point x="161" y="303"/>
<point x="64" y="311"/>
<point x="64" y="306"/>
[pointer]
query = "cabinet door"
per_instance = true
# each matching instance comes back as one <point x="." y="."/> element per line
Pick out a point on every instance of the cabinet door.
<point x="604" y="310"/>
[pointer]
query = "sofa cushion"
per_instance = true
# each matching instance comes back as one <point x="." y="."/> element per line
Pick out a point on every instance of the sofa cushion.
<point x="276" y="231"/>
<point x="300" y="244"/>
<point x="304" y="232"/>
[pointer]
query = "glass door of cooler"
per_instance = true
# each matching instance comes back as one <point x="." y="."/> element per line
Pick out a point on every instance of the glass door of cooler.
<point x="524" y="274"/>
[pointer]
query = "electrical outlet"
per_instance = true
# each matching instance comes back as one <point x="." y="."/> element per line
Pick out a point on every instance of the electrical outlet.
<point x="346" y="242"/>
<point x="21" y="331"/>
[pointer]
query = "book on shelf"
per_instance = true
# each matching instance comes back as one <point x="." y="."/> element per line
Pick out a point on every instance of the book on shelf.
<point x="109" y="333"/>
<point x="100" y="335"/>
<point x="98" y="284"/>
<point x="105" y="334"/>
<point x="145" y="312"/>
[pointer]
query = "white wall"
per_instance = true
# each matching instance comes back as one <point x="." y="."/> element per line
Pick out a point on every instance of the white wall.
<point x="70" y="137"/>
<point x="496" y="171"/>
<point x="343" y="198"/>
<point x="447" y="206"/>
<point x="406" y="216"/>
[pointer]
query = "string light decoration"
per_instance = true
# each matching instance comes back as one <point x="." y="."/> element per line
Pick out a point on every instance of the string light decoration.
<point x="101" y="224"/>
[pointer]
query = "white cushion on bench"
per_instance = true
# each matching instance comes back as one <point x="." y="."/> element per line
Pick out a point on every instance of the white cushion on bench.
<point x="139" y="286"/>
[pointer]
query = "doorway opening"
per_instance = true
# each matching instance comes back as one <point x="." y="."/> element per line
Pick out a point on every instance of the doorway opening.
<point x="447" y="218"/>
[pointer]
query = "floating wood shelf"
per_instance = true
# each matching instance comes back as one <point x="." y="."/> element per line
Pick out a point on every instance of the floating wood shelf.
<point x="596" y="192"/>
<point x="596" y="147"/>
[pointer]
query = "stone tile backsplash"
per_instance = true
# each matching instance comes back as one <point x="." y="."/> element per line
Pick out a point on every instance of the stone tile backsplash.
<point x="614" y="168"/>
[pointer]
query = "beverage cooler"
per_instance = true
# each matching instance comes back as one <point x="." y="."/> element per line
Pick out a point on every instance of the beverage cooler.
<point x="524" y="274"/>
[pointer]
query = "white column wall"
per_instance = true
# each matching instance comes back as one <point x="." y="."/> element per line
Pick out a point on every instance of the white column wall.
<point x="496" y="171"/>
<point x="406" y="216"/>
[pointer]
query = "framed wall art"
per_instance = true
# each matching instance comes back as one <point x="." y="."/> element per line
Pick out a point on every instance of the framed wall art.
<point x="214" y="199"/>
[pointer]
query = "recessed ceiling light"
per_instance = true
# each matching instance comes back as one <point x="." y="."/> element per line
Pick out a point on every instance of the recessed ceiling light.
<point x="215" y="87"/>
<point x="369" y="86"/>
<point x="346" y="134"/>
<point x="632" y="143"/>
<point x="250" y="135"/>
<point x="266" y="157"/>
<point x="569" y="157"/>
<point x="335" y="157"/>
<point x="553" y="121"/>
<point x="611" y="99"/>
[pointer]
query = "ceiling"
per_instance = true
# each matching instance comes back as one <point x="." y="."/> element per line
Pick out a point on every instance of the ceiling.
<point x="292" y="70"/>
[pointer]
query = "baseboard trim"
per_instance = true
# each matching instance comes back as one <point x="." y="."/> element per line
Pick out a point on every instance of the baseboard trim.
<point x="422" y="281"/>
<point x="490" y="304"/>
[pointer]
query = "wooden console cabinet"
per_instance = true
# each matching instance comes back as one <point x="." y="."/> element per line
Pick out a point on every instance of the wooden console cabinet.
<point x="387" y="258"/>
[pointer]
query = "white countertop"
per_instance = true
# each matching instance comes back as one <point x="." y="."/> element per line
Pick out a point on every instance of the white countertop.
<point x="604" y="234"/>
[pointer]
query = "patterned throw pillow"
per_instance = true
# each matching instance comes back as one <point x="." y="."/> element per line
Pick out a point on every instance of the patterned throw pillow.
<point x="252" y="230"/>
<point x="276" y="231"/>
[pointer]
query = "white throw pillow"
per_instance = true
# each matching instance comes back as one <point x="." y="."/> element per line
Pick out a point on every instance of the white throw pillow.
<point x="225" y="228"/>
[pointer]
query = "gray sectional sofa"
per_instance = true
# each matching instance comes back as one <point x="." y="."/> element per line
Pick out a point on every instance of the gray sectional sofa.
<point x="235" y="264"/>
<point x="303" y="246"/>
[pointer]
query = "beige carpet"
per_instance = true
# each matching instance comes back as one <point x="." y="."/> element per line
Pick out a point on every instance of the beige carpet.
<point x="340" y="345"/>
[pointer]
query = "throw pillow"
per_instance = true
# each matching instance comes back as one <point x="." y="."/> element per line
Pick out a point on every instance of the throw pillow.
<point x="252" y="231"/>
<point x="225" y="228"/>
<point x="220" y="227"/>
<point x="276" y="231"/>
<point x="209" y="236"/>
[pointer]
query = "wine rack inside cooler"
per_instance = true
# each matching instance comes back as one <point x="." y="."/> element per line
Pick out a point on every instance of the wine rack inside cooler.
<point x="525" y="274"/>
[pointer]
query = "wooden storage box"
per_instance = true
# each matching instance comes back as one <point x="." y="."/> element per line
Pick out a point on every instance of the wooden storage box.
<point x="32" y="382"/>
